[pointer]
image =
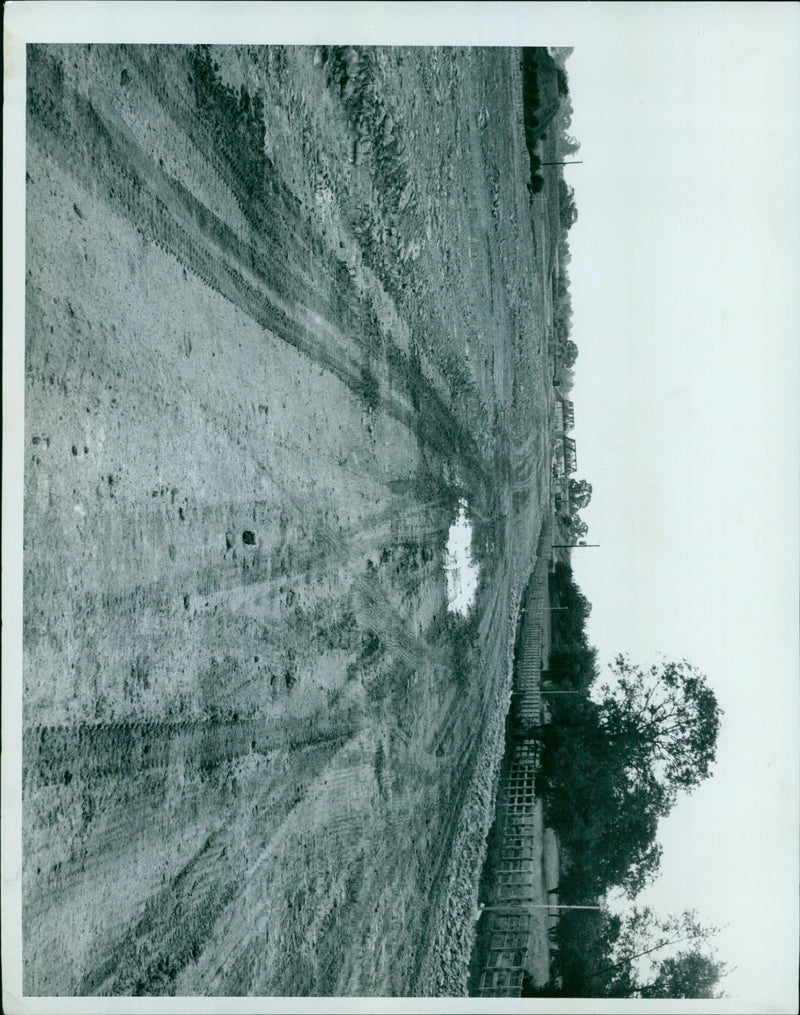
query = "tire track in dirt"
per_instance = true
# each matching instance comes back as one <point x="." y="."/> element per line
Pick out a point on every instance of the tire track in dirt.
<point x="256" y="277"/>
<point x="462" y="714"/>
<point x="327" y="550"/>
<point x="178" y="916"/>
<point x="107" y="751"/>
<point x="305" y="851"/>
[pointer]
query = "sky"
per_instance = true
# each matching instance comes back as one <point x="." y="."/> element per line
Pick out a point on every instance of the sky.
<point x="685" y="268"/>
<point x="685" y="286"/>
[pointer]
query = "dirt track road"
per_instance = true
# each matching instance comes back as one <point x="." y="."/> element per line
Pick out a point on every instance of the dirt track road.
<point x="270" y="342"/>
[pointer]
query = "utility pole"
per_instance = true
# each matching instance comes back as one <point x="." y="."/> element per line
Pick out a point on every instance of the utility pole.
<point x="531" y="905"/>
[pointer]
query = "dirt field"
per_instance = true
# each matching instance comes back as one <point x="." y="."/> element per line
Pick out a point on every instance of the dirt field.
<point x="284" y="308"/>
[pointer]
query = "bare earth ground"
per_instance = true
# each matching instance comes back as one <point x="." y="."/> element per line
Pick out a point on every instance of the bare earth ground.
<point x="259" y="757"/>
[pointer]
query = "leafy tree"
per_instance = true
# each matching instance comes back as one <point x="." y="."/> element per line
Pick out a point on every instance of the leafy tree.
<point x="569" y="353"/>
<point x="607" y="821"/>
<point x="565" y="592"/>
<point x="688" y="974"/>
<point x="638" y="963"/>
<point x="638" y="955"/>
<point x="664" y="720"/>
<point x="577" y="527"/>
<point x="568" y="213"/>
<point x="564" y="253"/>
<point x="563" y="118"/>
<point x="662" y="723"/>
<point x="560" y="54"/>
<point x="574" y="667"/>
<point x="580" y="493"/>
<point x="565" y="379"/>
<point x="613" y="767"/>
<point x="572" y="660"/>
<point x="585" y="939"/>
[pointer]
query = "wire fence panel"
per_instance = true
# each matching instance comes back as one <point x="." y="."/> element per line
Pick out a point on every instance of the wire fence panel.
<point x="515" y="885"/>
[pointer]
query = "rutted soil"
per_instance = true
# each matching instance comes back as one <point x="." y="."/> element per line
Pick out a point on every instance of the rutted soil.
<point x="284" y="309"/>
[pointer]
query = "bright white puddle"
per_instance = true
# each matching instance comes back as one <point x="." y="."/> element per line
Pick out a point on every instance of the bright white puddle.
<point x="462" y="574"/>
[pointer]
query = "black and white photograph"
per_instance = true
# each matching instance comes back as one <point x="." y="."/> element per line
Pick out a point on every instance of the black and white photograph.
<point x="401" y="507"/>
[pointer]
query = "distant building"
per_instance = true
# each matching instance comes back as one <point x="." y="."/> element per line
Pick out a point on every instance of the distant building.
<point x="565" y="460"/>
<point x="564" y="416"/>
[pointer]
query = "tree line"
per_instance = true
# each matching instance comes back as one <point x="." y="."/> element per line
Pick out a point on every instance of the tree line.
<point x="616" y="756"/>
<point x="616" y="753"/>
